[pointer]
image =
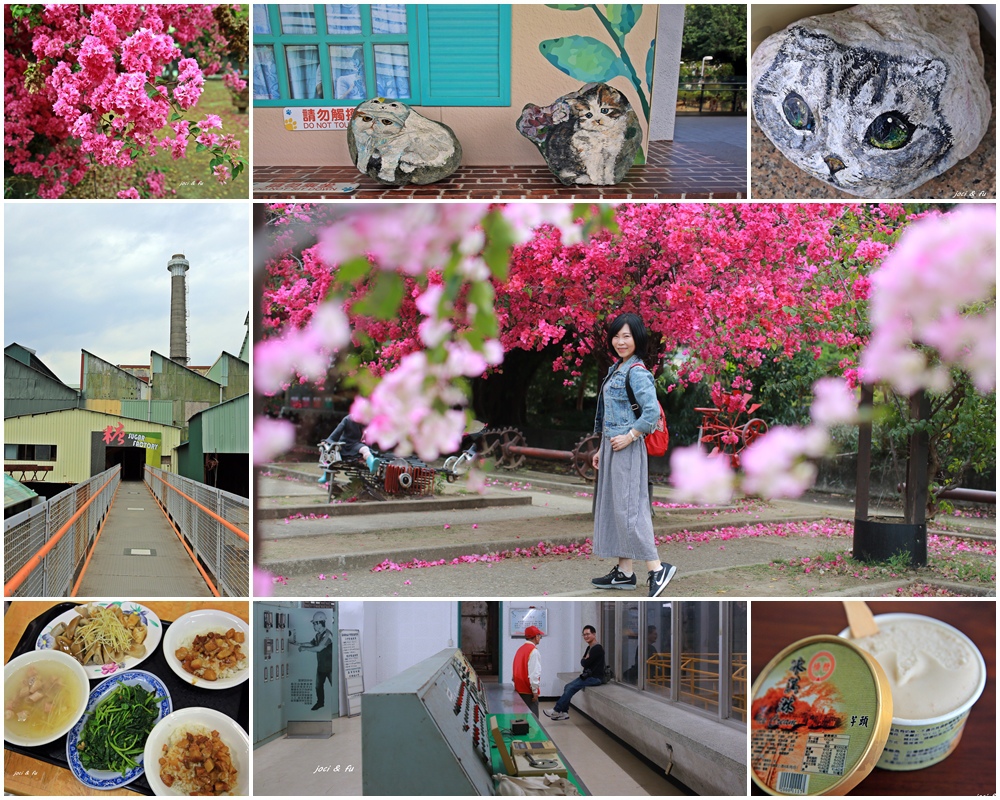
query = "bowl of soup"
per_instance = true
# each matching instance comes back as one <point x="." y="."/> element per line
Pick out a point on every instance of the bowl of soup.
<point x="45" y="693"/>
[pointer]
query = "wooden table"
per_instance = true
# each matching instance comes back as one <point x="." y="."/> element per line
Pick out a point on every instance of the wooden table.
<point x="29" y="776"/>
<point x="971" y="768"/>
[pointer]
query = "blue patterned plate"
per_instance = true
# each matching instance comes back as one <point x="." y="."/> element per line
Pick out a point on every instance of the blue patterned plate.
<point x="106" y="779"/>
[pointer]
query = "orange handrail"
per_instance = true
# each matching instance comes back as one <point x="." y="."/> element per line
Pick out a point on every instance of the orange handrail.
<point x="184" y="544"/>
<point x="33" y="563"/>
<point x="244" y="536"/>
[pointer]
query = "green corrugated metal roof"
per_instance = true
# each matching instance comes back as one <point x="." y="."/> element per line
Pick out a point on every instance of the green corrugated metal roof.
<point x="15" y="492"/>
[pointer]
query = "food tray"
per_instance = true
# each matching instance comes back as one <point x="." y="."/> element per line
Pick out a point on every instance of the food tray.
<point x="233" y="702"/>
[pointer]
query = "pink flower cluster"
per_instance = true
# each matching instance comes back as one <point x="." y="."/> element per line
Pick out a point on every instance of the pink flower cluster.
<point x="936" y="288"/>
<point x="81" y="85"/>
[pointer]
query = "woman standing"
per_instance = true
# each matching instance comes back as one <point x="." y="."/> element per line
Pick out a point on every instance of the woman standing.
<point x="623" y="523"/>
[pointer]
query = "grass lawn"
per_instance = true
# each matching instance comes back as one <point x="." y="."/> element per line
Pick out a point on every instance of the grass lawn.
<point x="187" y="178"/>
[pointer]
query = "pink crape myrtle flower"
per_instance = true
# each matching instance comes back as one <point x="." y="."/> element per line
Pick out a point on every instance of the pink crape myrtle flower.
<point x="271" y="438"/>
<point x="697" y="477"/>
<point x="775" y="466"/>
<point x="936" y="287"/>
<point x="833" y="403"/>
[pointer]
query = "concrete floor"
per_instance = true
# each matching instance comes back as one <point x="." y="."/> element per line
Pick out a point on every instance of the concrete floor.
<point x="604" y="765"/>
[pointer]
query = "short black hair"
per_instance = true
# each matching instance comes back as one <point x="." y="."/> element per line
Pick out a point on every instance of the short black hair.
<point x="638" y="329"/>
<point x="590" y="628"/>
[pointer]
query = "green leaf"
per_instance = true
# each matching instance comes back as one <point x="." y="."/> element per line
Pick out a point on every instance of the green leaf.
<point x="215" y="162"/>
<point x="481" y="294"/>
<point x="151" y="91"/>
<point x="384" y="298"/>
<point x="623" y="17"/>
<point x="353" y="270"/>
<point x="175" y="116"/>
<point x="499" y="240"/>
<point x="583" y="58"/>
<point x="650" y="58"/>
<point x="199" y="147"/>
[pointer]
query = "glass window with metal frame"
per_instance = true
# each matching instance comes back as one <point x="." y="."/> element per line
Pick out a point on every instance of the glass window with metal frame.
<point x="693" y="653"/>
<point x="338" y="54"/>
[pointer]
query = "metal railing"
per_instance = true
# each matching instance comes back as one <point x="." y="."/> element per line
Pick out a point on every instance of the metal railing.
<point x="712" y="97"/>
<point x="215" y="525"/>
<point x="45" y="545"/>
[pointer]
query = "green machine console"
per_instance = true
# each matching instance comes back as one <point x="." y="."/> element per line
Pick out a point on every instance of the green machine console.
<point x="427" y="731"/>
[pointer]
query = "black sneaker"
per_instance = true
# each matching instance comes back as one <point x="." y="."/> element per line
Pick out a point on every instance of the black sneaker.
<point x="615" y="580"/>
<point x="659" y="578"/>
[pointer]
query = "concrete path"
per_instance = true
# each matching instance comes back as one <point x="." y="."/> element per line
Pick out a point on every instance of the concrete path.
<point x="318" y="550"/>
<point x="138" y="553"/>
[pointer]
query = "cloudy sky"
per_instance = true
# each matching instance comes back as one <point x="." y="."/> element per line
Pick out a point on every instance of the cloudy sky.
<point x="93" y="276"/>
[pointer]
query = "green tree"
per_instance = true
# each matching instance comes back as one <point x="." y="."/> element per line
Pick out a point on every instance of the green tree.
<point x="719" y="31"/>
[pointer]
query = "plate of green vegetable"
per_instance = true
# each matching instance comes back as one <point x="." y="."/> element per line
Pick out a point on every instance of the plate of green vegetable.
<point x="105" y="747"/>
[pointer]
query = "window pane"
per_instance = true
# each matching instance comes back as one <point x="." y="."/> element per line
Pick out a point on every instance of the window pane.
<point x="10" y="451"/>
<point x="305" y="81"/>
<point x="628" y="642"/>
<point x="261" y="21"/>
<point x="738" y="648"/>
<point x="45" y="452"/>
<point x="297" y="18"/>
<point x="347" y="65"/>
<point x="606" y="634"/>
<point x="388" y="18"/>
<point x="392" y="70"/>
<point x="265" y="73"/>
<point x="658" y="616"/>
<point x="343" y="18"/>
<point x="699" y="667"/>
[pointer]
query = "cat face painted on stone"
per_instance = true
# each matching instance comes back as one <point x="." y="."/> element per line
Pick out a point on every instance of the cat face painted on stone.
<point x="393" y="144"/>
<point x="866" y="122"/>
<point x="380" y="119"/>
<point x="600" y="109"/>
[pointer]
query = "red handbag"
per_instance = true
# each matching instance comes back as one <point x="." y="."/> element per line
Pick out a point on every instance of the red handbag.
<point x="657" y="441"/>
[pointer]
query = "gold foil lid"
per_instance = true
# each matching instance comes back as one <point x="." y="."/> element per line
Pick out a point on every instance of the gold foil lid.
<point x="820" y="718"/>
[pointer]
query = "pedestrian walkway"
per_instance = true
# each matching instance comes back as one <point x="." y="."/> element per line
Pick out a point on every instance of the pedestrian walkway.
<point x="138" y="554"/>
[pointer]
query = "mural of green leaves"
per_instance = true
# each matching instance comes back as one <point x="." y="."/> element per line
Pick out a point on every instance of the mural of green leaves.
<point x="587" y="59"/>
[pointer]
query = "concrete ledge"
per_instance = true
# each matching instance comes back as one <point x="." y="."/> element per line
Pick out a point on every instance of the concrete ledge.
<point x="703" y="754"/>
<point x="393" y="506"/>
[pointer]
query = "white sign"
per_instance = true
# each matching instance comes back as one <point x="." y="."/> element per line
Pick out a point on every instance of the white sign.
<point x="317" y="119"/>
<point x="350" y="661"/>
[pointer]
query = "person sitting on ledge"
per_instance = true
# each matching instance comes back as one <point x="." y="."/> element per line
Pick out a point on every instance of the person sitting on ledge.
<point x="592" y="675"/>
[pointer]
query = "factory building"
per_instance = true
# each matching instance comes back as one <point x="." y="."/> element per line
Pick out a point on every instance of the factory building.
<point x="129" y="414"/>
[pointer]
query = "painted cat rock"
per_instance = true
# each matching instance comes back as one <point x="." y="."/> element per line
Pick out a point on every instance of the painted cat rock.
<point x="874" y="100"/>
<point x="393" y="144"/>
<point x="588" y="137"/>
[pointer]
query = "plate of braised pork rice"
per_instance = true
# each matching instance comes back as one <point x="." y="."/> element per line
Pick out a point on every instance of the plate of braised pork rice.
<point x="198" y="751"/>
<point x="104" y="637"/>
<point x="208" y="648"/>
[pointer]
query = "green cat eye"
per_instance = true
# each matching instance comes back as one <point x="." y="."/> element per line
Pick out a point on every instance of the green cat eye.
<point x="797" y="112"/>
<point x="889" y="131"/>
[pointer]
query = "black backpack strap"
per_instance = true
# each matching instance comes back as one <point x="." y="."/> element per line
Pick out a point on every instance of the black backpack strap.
<point x="631" y="395"/>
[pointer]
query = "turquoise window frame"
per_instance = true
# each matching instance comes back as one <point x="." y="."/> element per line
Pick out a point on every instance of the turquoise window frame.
<point x="322" y="40"/>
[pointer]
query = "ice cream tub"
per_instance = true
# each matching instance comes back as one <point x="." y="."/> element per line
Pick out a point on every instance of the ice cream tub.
<point x="935" y="674"/>
<point x="820" y="717"/>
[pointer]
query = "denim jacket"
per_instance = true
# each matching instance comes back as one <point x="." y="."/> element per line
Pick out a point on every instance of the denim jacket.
<point x="614" y="414"/>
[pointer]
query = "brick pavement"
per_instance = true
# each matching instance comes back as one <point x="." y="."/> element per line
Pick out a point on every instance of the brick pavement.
<point x="674" y="171"/>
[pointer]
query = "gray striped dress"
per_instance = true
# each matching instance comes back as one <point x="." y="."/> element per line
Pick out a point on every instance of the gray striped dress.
<point x="623" y="525"/>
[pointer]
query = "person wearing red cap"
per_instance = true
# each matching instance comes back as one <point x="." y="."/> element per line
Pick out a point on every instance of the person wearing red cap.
<point x="528" y="668"/>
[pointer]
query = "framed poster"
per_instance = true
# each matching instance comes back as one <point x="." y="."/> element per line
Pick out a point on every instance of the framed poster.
<point x="521" y="618"/>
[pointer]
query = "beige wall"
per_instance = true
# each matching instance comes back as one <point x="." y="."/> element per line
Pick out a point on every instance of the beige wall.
<point x="70" y="431"/>
<point x="487" y="134"/>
